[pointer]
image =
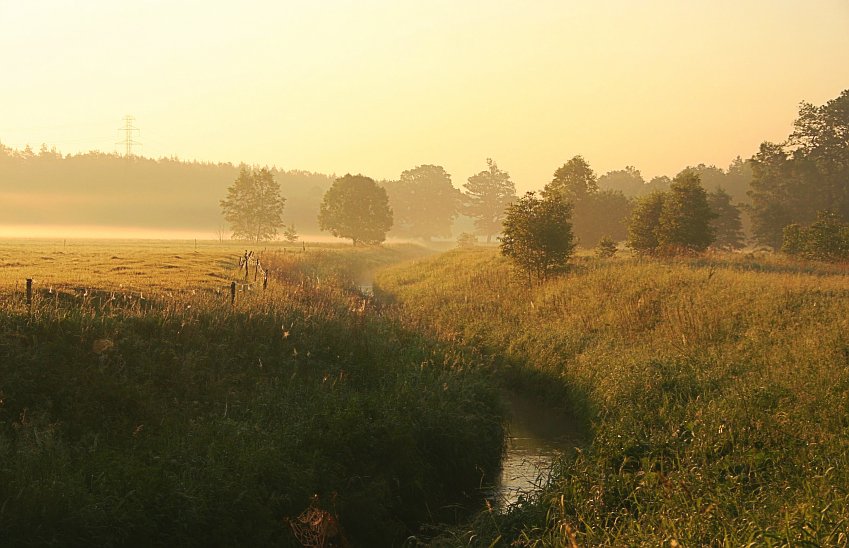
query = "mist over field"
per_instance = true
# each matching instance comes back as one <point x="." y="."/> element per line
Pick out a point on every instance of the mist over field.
<point x="392" y="273"/>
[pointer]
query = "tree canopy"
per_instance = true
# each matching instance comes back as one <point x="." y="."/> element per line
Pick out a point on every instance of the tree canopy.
<point x="726" y="225"/>
<point x="537" y="233"/>
<point x="596" y="213"/>
<point x="674" y="221"/>
<point x="574" y="180"/>
<point x="253" y="206"/>
<point x="424" y="203"/>
<point x="809" y="172"/>
<point x="356" y="207"/>
<point x="487" y="196"/>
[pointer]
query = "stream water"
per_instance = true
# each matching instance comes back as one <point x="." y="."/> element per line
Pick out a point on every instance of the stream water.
<point x="537" y="435"/>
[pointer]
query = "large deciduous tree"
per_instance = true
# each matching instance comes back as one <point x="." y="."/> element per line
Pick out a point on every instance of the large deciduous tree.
<point x="674" y="221"/>
<point x="356" y="207"/>
<point x="726" y="225"/>
<point x="645" y="222"/>
<point x="595" y="213"/>
<point x="537" y="234"/>
<point x="574" y="180"/>
<point x="254" y="206"/>
<point x="488" y="194"/>
<point x="424" y="203"/>
<point x="686" y="216"/>
<point x="794" y="180"/>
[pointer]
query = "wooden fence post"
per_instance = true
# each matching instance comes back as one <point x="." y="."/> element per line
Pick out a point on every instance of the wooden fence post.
<point x="265" y="279"/>
<point x="29" y="291"/>
<point x="232" y="292"/>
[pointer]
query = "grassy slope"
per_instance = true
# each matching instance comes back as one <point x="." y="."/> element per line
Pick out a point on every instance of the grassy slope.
<point x="147" y="410"/>
<point x="718" y="391"/>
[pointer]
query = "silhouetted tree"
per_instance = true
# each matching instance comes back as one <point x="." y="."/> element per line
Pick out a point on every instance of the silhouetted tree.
<point x="253" y="206"/>
<point x="628" y="181"/>
<point x="573" y="181"/>
<point x="487" y="196"/>
<point x="424" y="203"/>
<point x="595" y="213"/>
<point x="727" y="227"/>
<point x="686" y="216"/>
<point x="794" y="180"/>
<point x="644" y="225"/>
<point x="356" y="207"/>
<point x="537" y="234"/>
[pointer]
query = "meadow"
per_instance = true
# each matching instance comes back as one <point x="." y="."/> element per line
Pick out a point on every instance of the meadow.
<point x="139" y="406"/>
<point x="715" y="390"/>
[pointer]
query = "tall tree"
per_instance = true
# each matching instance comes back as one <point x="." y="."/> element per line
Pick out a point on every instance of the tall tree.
<point x="727" y="227"/>
<point x="628" y="181"/>
<point x="644" y="223"/>
<point x="574" y="180"/>
<point x="424" y="203"/>
<point x="356" y="207"/>
<point x="253" y="206"/>
<point x="488" y="194"/>
<point x="794" y="180"/>
<point x="686" y="216"/>
<point x="537" y="234"/>
<point x="595" y="213"/>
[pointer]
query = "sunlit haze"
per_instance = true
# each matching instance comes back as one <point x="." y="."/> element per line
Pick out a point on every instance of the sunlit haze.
<point x="378" y="86"/>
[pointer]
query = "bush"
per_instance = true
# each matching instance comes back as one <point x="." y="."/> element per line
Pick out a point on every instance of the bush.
<point x="827" y="239"/>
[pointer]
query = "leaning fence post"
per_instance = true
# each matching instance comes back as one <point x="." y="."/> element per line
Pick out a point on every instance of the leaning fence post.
<point x="232" y="292"/>
<point x="29" y="291"/>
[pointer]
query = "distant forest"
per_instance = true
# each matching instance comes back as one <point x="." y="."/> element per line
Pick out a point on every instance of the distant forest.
<point x="795" y="182"/>
<point x="96" y="188"/>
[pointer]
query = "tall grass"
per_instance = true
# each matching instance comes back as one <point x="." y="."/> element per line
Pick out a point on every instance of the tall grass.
<point x="717" y="389"/>
<point x="148" y="410"/>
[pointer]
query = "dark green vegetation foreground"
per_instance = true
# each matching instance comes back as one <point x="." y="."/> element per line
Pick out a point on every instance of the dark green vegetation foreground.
<point x="137" y="406"/>
<point x="718" y="390"/>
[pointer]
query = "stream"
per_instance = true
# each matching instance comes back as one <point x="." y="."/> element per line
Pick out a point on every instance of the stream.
<point x="536" y="436"/>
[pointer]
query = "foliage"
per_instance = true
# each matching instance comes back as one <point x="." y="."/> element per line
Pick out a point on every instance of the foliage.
<point x="424" y="203"/>
<point x="253" y="206"/>
<point x="537" y="234"/>
<point x="467" y="239"/>
<point x="290" y="234"/>
<point x="628" y="181"/>
<point x="96" y="188"/>
<point x="808" y="173"/>
<point x="595" y="213"/>
<point x="827" y="239"/>
<point x="726" y="225"/>
<point x="165" y="416"/>
<point x="606" y="248"/>
<point x="717" y="390"/>
<point x="574" y="180"/>
<point x="645" y="222"/>
<point x="674" y="221"/>
<point x="685" y="218"/>
<point x="356" y="207"/>
<point x="487" y="196"/>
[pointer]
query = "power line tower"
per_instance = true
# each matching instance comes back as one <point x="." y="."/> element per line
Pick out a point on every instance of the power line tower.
<point x="129" y="130"/>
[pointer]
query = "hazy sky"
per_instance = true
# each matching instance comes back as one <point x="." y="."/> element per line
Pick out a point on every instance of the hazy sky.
<point x="379" y="86"/>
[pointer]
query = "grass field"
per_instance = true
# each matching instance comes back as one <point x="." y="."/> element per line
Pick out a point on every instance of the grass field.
<point x="139" y="406"/>
<point x="716" y="390"/>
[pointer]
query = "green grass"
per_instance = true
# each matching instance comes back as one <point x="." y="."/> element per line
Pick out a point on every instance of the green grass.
<point x="137" y="406"/>
<point x="717" y="390"/>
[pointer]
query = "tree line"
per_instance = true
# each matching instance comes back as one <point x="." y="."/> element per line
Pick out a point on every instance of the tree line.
<point x="794" y="182"/>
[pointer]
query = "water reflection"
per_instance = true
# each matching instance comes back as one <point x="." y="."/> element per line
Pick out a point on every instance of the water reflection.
<point x="537" y="434"/>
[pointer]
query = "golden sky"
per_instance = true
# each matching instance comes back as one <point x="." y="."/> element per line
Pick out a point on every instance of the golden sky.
<point x="380" y="86"/>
